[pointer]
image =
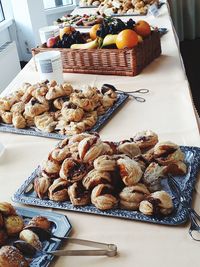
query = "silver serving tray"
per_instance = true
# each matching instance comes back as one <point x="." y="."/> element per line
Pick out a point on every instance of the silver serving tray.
<point x="60" y="227"/>
<point x="179" y="215"/>
<point x="101" y="121"/>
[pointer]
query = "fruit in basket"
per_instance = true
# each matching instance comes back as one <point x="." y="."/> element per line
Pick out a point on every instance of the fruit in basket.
<point x="126" y="39"/>
<point x="90" y="45"/>
<point x="66" y="30"/>
<point x="93" y="31"/>
<point x="51" y="41"/>
<point x="142" y="28"/>
<point x="109" y="40"/>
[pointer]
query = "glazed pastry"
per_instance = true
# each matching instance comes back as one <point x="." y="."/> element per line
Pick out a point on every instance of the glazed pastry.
<point x="58" y="102"/>
<point x="73" y="170"/>
<point x="90" y="148"/>
<point x="13" y="224"/>
<point x="176" y="168"/>
<point x="58" y="190"/>
<point x="60" y="154"/>
<point x="130" y="197"/>
<point x="58" y="91"/>
<point x="45" y="122"/>
<point x="128" y="148"/>
<point x="157" y="203"/>
<point x="41" y="222"/>
<point x="31" y="238"/>
<point x="3" y="237"/>
<point x="7" y="209"/>
<point x="95" y="177"/>
<point x="71" y="112"/>
<point x="10" y="256"/>
<point x="6" y="116"/>
<point x="41" y="186"/>
<point x="152" y="176"/>
<point x="18" y="107"/>
<point x="78" y="195"/>
<point x="130" y="171"/>
<point x="105" y="163"/>
<point x="81" y="101"/>
<point x="18" y="121"/>
<point x="50" y="169"/>
<point x="102" y="197"/>
<point x="34" y="107"/>
<point x="146" y="139"/>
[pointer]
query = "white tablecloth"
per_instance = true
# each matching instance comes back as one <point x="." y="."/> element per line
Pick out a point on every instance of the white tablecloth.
<point x="168" y="110"/>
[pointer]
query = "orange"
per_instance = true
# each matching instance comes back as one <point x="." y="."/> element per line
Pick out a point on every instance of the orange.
<point x="142" y="28"/>
<point x="67" y="30"/>
<point x="126" y="39"/>
<point x="93" y="31"/>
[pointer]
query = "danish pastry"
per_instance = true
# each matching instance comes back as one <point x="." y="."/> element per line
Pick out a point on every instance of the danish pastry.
<point x="5" y="104"/>
<point x="60" y="154"/>
<point x="7" y="209"/>
<point x="146" y="139"/>
<point x="18" y="107"/>
<point x="58" y="91"/>
<point x="130" y="171"/>
<point x="34" y="107"/>
<point x="71" y="112"/>
<point x="50" y="169"/>
<point x="130" y="197"/>
<point x="129" y="148"/>
<point x="6" y="116"/>
<point x="58" y="102"/>
<point x="41" y="222"/>
<point x="58" y="190"/>
<point x="81" y="101"/>
<point x="95" y="177"/>
<point x="41" y="186"/>
<point x="176" y="168"/>
<point x="45" y="122"/>
<point x="89" y="119"/>
<point x="157" y="203"/>
<point x="31" y="238"/>
<point x="18" y="120"/>
<point x="105" y="163"/>
<point x="78" y="195"/>
<point x="103" y="198"/>
<point x="13" y="224"/>
<point x="10" y="256"/>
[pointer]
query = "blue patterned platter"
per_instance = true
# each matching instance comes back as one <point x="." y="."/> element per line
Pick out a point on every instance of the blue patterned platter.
<point x="60" y="227"/>
<point x="101" y="121"/>
<point x="179" y="215"/>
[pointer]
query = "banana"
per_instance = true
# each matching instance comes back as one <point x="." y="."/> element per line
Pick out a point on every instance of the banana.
<point x="109" y="39"/>
<point x="90" y="45"/>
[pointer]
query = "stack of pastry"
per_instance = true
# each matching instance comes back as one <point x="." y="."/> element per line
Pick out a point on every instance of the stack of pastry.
<point x="83" y="169"/>
<point x="55" y="108"/>
<point x="89" y="3"/>
<point x="109" y="7"/>
<point x="12" y="226"/>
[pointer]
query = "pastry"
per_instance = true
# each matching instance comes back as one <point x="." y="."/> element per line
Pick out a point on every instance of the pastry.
<point x="152" y="176"/>
<point x="28" y="94"/>
<point x="105" y="163"/>
<point x="58" y="190"/>
<point x="18" y="120"/>
<point x="13" y="224"/>
<point x="81" y="101"/>
<point x="7" y="209"/>
<point x="130" y="197"/>
<point x="50" y="169"/>
<point x="90" y="148"/>
<point x="176" y="168"/>
<point x="31" y="238"/>
<point x="157" y="203"/>
<point x="6" y="116"/>
<point x="10" y="256"/>
<point x="140" y="159"/>
<point x="45" y="122"/>
<point x="18" y="107"/>
<point x="71" y="112"/>
<point x="3" y="237"/>
<point x="146" y="139"/>
<point x="89" y="119"/>
<point x="63" y="143"/>
<point x="103" y="198"/>
<point x="34" y="107"/>
<point x="58" y="91"/>
<point x="78" y="195"/>
<point x="41" y="222"/>
<point x="41" y="186"/>
<point x="170" y="157"/>
<point x="59" y="154"/>
<point x="5" y="104"/>
<point x="130" y="171"/>
<point x="73" y="170"/>
<point x="40" y="92"/>
<point x="128" y="148"/>
<point x="95" y="177"/>
<point x="109" y="148"/>
<point x="58" y="102"/>
<point x="73" y="128"/>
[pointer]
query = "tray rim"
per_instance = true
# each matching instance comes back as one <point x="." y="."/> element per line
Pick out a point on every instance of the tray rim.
<point x="101" y="122"/>
<point x="90" y="209"/>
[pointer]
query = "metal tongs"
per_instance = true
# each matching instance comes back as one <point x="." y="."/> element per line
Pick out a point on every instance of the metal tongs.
<point x="130" y="93"/>
<point x="194" y="229"/>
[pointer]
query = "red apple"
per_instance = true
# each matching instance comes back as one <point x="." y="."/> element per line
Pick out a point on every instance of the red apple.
<point x="51" y="42"/>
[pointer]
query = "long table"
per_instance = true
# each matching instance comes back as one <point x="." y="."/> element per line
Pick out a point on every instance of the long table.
<point x="169" y="111"/>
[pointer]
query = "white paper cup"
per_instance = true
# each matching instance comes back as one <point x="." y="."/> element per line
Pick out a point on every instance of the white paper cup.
<point x="49" y="66"/>
<point x="47" y="32"/>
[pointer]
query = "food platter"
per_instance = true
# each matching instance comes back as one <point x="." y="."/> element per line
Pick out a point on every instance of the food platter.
<point x="178" y="216"/>
<point x="60" y="227"/>
<point x="101" y="121"/>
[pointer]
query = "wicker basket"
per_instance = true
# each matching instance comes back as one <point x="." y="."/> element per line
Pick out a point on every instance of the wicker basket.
<point x="127" y="62"/>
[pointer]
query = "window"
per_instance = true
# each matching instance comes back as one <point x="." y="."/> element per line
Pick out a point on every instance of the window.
<point x="1" y="13"/>
<point x="56" y="3"/>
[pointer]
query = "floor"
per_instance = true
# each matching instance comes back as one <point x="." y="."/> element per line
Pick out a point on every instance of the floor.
<point x="190" y="51"/>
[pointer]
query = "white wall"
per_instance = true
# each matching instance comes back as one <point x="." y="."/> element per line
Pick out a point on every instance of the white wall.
<point x="5" y="37"/>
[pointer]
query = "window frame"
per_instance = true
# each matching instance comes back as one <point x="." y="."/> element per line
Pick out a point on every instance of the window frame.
<point x="1" y="7"/>
<point x="60" y="6"/>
